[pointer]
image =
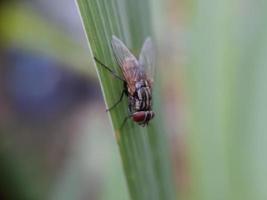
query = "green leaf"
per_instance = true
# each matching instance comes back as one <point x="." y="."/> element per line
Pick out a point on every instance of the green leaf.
<point x="143" y="149"/>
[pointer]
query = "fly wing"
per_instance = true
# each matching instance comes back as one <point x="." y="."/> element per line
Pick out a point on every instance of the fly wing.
<point x="147" y="59"/>
<point x="127" y="61"/>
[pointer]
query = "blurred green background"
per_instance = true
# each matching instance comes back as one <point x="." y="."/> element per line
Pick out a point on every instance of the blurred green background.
<point x="55" y="136"/>
<point x="56" y="141"/>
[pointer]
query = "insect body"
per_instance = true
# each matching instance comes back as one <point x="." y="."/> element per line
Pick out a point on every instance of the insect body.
<point x="137" y="77"/>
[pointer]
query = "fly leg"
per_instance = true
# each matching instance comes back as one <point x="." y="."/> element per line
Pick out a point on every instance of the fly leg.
<point x="120" y="99"/>
<point x="110" y="70"/>
<point x="125" y="120"/>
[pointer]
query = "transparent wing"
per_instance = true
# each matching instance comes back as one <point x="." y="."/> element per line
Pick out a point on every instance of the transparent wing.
<point x="126" y="60"/>
<point x="147" y="58"/>
<point x="121" y="52"/>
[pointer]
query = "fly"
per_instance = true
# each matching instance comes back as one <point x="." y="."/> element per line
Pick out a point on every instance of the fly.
<point x="137" y="79"/>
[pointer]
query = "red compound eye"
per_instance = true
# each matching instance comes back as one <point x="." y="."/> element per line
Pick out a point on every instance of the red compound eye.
<point x="143" y="116"/>
<point x="139" y="116"/>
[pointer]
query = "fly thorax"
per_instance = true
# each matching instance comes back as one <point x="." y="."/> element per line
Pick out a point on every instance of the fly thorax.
<point x="140" y="84"/>
<point x="143" y="100"/>
<point x="138" y="104"/>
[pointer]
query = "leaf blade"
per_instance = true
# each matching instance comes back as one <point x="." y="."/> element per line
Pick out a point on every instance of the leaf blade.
<point x="145" y="162"/>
